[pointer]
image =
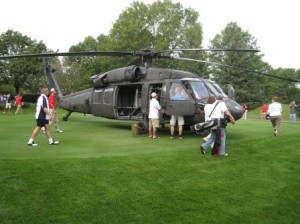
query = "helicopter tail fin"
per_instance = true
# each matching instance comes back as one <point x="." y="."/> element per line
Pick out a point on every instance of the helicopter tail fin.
<point x="51" y="79"/>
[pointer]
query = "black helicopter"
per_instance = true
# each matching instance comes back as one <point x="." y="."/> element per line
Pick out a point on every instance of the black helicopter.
<point x="124" y="93"/>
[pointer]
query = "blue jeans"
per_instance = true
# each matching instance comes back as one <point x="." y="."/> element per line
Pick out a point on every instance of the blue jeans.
<point x="293" y="118"/>
<point x="212" y="139"/>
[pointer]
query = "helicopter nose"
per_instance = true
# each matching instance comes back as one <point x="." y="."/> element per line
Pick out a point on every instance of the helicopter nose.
<point x="235" y="109"/>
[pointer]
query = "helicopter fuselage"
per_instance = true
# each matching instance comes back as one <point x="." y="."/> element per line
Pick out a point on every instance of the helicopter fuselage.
<point x="124" y="94"/>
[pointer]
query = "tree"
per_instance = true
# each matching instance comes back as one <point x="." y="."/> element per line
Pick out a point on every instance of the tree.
<point x="247" y="84"/>
<point x="286" y="91"/>
<point x="21" y="72"/>
<point x="160" y="26"/>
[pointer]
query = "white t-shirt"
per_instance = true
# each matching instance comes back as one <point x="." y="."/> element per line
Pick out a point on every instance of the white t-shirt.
<point x="154" y="108"/>
<point x="275" y="109"/>
<point x="207" y="110"/>
<point x="219" y="109"/>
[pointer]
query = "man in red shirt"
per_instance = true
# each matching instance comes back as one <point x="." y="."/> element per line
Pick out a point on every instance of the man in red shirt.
<point x="264" y="110"/>
<point x="53" y="110"/>
<point x="18" y="103"/>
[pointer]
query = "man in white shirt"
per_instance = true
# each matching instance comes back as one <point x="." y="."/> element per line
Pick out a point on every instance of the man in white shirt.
<point x="153" y="116"/>
<point x="217" y="111"/>
<point x="42" y="116"/>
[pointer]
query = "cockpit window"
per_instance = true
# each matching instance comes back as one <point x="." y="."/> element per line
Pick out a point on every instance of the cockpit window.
<point x="199" y="89"/>
<point x="215" y="89"/>
<point x="177" y="92"/>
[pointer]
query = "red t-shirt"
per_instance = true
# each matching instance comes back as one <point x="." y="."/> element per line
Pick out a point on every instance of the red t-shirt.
<point x="264" y="108"/>
<point x="52" y="101"/>
<point x="18" y="100"/>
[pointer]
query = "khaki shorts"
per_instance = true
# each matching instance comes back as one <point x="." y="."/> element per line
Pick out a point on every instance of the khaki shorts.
<point x="153" y="123"/>
<point x="178" y="118"/>
<point x="8" y="105"/>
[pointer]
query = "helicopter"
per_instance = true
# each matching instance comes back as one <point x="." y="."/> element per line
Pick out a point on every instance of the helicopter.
<point x="124" y="93"/>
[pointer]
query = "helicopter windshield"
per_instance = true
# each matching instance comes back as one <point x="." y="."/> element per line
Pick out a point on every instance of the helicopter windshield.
<point x="215" y="89"/>
<point x="203" y="89"/>
<point x="199" y="89"/>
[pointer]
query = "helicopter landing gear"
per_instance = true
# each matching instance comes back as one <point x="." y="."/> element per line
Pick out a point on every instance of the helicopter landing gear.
<point x="65" y="118"/>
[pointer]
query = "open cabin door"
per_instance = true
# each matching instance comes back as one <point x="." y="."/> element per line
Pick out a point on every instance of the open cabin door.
<point x="179" y="102"/>
<point x="128" y="102"/>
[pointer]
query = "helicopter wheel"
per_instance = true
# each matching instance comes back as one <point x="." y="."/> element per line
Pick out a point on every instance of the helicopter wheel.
<point x="65" y="118"/>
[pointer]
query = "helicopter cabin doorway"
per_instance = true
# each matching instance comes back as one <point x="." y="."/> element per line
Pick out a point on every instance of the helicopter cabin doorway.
<point x="128" y="102"/>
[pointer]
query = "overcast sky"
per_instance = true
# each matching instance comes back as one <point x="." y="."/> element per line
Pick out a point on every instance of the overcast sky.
<point x="63" y="23"/>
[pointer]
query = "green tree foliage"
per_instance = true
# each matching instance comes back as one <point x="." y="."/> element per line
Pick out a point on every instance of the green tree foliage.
<point x="251" y="87"/>
<point x="21" y="73"/>
<point x="286" y="91"/>
<point x="160" y="26"/>
<point x="245" y="83"/>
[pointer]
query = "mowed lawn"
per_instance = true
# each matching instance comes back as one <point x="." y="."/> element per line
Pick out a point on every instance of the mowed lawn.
<point x="100" y="173"/>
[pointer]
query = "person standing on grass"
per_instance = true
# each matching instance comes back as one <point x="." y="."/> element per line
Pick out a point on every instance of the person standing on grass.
<point x="42" y="117"/>
<point x="263" y="111"/>
<point x="245" y="107"/>
<point x="179" y="118"/>
<point x="18" y="103"/>
<point x="154" y="108"/>
<point x="53" y="110"/>
<point x="293" y="111"/>
<point x="7" y="104"/>
<point x="275" y="110"/>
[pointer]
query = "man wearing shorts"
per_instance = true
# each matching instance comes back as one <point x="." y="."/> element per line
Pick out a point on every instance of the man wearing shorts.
<point x="42" y="116"/>
<point x="153" y="116"/>
<point x="180" y="119"/>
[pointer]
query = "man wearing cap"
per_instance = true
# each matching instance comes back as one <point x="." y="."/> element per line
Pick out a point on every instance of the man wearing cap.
<point x="53" y="110"/>
<point x="153" y="116"/>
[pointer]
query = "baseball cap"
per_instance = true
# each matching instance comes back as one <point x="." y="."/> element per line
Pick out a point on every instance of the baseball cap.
<point x="52" y="90"/>
<point x="153" y="94"/>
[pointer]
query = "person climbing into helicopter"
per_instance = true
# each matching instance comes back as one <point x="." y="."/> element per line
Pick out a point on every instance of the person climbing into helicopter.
<point x="179" y="95"/>
<point x="154" y="109"/>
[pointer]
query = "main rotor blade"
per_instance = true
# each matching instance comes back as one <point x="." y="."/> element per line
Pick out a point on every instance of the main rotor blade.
<point x="207" y="49"/>
<point x="144" y="54"/>
<point x="84" y="53"/>
<point x="239" y="68"/>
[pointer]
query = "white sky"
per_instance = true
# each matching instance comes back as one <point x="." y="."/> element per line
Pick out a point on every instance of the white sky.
<point x="63" y="23"/>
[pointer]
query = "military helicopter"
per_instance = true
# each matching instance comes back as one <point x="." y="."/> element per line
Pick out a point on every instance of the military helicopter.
<point x="124" y="93"/>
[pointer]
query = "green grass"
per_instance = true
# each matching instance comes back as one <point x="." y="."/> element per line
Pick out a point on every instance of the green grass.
<point x="100" y="173"/>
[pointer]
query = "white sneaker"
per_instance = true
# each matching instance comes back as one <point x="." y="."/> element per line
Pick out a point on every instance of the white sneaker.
<point x="59" y="131"/>
<point x="53" y="142"/>
<point x="32" y="143"/>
